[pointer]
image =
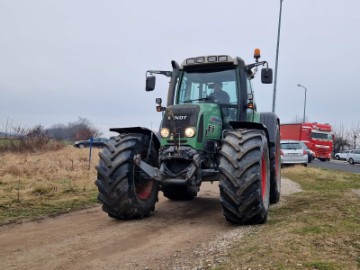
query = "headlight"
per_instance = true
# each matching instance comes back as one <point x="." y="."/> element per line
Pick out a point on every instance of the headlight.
<point x="165" y="132"/>
<point x="190" y="132"/>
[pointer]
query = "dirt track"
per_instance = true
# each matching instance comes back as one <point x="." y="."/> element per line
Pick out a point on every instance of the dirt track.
<point x="179" y="236"/>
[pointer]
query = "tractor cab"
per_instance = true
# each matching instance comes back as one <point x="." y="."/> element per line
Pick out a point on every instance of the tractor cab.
<point x="205" y="95"/>
<point x="218" y="79"/>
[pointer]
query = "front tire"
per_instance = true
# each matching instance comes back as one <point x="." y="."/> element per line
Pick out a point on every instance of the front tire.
<point x="125" y="191"/>
<point x="245" y="185"/>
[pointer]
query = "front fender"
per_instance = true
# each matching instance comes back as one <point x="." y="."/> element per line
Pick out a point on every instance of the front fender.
<point x="141" y="130"/>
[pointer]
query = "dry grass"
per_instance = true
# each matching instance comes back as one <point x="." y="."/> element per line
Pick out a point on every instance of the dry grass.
<point x="318" y="228"/>
<point x="46" y="183"/>
<point x="29" y="145"/>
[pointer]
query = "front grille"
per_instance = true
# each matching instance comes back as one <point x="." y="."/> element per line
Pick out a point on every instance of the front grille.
<point x="178" y="117"/>
<point x="322" y="152"/>
<point x="175" y="141"/>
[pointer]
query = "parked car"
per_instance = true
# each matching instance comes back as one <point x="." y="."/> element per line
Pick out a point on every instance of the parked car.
<point x="97" y="142"/>
<point x="292" y="152"/>
<point x="310" y="153"/>
<point x="353" y="156"/>
<point x="342" y="155"/>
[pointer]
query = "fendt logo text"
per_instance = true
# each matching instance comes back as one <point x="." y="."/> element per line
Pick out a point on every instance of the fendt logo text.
<point x="180" y="117"/>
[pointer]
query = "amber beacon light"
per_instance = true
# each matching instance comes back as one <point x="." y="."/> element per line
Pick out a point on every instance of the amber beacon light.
<point x="257" y="53"/>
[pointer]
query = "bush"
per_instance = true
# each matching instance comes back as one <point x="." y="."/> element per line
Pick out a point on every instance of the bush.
<point x="30" y="141"/>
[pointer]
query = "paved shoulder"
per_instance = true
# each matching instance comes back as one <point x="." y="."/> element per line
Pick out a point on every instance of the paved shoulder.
<point x="356" y="191"/>
<point x="289" y="187"/>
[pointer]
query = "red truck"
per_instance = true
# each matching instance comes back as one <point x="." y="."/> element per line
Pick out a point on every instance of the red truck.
<point x="318" y="137"/>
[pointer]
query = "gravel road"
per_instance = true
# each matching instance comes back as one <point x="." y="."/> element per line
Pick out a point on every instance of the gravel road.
<point x="180" y="235"/>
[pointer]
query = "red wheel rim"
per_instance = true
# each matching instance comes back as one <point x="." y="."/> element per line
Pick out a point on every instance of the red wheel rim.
<point x="144" y="191"/>
<point x="143" y="188"/>
<point x="263" y="176"/>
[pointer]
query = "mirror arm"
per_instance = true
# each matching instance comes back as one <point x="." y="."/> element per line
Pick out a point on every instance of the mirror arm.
<point x="165" y="73"/>
<point x="251" y="66"/>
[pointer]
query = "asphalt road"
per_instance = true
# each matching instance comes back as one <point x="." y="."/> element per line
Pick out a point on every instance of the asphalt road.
<point x="339" y="165"/>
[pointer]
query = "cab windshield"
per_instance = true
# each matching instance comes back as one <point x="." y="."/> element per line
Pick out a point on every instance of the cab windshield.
<point x="321" y="136"/>
<point x="196" y="87"/>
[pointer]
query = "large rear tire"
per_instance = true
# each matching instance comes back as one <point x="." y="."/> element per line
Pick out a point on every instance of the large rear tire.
<point x="125" y="191"/>
<point x="245" y="185"/>
<point x="275" y="168"/>
<point x="179" y="193"/>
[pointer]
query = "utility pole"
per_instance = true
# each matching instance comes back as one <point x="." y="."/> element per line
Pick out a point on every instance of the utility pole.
<point x="277" y="58"/>
<point x="304" y="100"/>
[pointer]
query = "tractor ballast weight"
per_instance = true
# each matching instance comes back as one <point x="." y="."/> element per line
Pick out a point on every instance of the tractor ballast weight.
<point x="210" y="131"/>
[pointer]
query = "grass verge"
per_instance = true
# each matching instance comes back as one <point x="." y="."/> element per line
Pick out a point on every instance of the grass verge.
<point x="318" y="228"/>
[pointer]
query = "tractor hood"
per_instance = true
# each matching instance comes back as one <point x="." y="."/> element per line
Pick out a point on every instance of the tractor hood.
<point x="191" y="124"/>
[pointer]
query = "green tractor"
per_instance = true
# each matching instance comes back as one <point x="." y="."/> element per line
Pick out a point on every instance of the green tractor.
<point x="210" y="131"/>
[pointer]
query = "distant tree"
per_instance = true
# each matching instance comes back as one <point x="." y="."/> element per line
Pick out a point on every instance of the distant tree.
<point x="340" y="143"/>
<point x="82" y="129"/>
<point x="355" y="134"/>
<point x="341" y="140"/>
<point x="58" y="132"/>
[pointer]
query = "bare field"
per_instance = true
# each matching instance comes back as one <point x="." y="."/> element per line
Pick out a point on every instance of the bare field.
<point x="32" y="185"/>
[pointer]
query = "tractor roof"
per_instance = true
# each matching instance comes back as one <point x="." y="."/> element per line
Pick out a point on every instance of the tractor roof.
<point x="211" y="60"/>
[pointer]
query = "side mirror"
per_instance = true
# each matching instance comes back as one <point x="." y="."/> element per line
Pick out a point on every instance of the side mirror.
<point x="150" y="83"/>
<point x="266" y="75"/>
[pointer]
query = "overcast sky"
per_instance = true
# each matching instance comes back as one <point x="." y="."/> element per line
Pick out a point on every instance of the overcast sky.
<point x="65" y="59"/>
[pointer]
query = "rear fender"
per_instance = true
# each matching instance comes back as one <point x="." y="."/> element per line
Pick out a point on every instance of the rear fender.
<point x="270" y="121"/>
<point x="139" y="130"/>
